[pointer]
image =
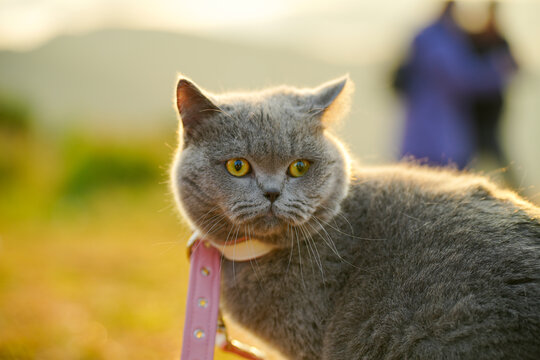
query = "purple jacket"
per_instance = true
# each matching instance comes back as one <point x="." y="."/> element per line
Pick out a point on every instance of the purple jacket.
<point x="443" y="73"/>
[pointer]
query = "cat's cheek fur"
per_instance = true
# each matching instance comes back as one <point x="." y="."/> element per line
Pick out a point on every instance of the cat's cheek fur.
<point x="336" y="184"/>
<point x="190" y="177"/>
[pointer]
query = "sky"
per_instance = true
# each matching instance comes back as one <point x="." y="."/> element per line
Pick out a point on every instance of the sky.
<point x="330" y="30"/>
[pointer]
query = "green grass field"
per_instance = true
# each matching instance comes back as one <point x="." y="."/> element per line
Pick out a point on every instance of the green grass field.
<point x="91" y="273"/>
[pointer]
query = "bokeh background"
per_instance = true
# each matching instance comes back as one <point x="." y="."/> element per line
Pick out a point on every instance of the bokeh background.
<point x="92" y="259"/>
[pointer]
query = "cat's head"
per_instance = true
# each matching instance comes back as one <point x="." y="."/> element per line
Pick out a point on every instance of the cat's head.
<point x="262" y="164"/>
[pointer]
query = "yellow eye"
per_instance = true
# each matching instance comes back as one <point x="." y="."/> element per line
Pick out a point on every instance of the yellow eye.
<point x="298" y="168"/>
<point x="238" y="167"/>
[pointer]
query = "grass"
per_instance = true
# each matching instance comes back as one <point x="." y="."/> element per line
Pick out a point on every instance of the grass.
<point x="101" y="277"/>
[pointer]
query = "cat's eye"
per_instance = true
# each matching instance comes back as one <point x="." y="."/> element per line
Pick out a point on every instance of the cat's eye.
<point x="298" y="168"/>
<point x="237" y="167"/>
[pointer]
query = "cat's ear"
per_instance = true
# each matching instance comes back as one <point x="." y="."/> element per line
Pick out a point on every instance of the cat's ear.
<point x="332" y="100"/>
<point x="193" y="106"/>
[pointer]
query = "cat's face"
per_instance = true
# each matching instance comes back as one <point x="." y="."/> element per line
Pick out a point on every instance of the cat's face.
<point x="259" y="165"/>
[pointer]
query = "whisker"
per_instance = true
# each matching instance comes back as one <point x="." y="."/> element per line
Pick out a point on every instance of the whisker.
<point x="206" y="213"/>
<point x="292" y="248"/>
<point x="254" y="260"/>
<point x="176" y="242"/>
<point x="300" y="259"/>
<point x="334" y="248"/>
<point x="330" y="243"/>
<point x="219" y="220"/>
<point x="339" y="213"/>
<point x="308" y="247"/>
<point x="316" y="253"/>
<point x="344" y="233"/>
<point x="234" y="253"/>
<point x="226" y="243"/>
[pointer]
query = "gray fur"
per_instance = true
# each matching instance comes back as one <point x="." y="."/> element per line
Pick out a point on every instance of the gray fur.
<point x="396" y="262"/>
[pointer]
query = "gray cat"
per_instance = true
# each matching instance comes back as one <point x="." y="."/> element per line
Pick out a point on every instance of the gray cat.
<point x="393" y="262"/>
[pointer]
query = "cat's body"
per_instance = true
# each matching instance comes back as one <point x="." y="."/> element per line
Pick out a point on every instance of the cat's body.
<point x="436" y="275"/>
<point x="369" y="263"/>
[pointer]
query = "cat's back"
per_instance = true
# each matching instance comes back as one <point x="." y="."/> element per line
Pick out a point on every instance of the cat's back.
<point x="419" y="205"/>
<point x="448" y="266"/>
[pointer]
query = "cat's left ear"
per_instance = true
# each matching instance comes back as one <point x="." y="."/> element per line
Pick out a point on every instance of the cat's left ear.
<point x="332" y="100"/>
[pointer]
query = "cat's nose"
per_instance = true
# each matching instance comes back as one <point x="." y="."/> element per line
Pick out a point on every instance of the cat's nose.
<point x="271" y="194"/>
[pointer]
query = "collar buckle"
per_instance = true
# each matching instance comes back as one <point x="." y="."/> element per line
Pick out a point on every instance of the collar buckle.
<point x="191" y="242"/>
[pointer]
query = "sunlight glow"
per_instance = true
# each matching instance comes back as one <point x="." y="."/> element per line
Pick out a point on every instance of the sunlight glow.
<point x="27" y="24"/>
<point x="233" y="12"/>
<point x="24" y="26"/>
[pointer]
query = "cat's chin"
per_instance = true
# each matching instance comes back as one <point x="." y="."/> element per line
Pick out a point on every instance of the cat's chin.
<point x="265" y="225"/>
<point x="275" y="222"/>
<point x="270" y="221"/>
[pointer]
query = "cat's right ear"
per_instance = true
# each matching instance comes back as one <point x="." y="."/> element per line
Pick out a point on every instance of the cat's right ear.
<point x="193" y="106"/>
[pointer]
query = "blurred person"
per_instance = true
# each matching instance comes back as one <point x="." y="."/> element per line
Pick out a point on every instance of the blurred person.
<point x="487" y="109"/>
<point x="438" y="79"/>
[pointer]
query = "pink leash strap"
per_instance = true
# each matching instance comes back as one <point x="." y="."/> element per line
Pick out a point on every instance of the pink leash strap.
<point x="202" y="305"/>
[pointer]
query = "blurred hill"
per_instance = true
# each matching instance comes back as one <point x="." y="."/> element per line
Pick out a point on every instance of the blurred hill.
<point x="124" y="79"/>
